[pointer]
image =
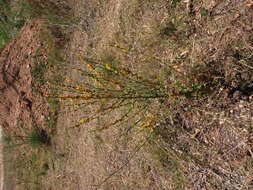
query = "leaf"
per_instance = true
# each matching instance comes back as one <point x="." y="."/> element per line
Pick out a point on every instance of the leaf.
<point x="204" y="12"/>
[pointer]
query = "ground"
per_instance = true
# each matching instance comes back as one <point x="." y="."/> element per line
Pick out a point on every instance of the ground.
<point x="198" y="141"/>
<point x="17" y="100"/>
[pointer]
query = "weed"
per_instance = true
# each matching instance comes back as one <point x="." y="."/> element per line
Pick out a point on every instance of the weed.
<point x="170" y="162"/>
<point x="174" y="3"/>
<point x="168" y="31"/>
<point x="12" y="19"/>
<point x="10" y="22"/>
<point x="38" y="71"/>
<point x="25" y="166"/>
<point x="38" y="138"/>
<point x="109" y="87"/>
<point x="53" y="105"/>
<point x="204" y="12"/>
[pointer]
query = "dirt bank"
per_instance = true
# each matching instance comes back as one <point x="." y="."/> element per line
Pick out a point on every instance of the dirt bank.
<point x="20" y="106"/>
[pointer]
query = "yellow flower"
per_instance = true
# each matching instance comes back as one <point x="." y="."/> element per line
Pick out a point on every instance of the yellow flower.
<point x="90" y="67"/>
<point x="76" y="106"/>
<point x="67" y="79"/>
<point x="108" y="66"/>
<point x="149" y="123"/>
<point x="84" y="120"/>
<point x="85" y="96"/>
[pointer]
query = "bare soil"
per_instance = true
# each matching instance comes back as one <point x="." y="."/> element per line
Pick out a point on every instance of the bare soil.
<point x="21" y="108"/>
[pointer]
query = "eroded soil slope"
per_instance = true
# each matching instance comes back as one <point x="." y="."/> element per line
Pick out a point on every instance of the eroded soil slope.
<point x="20" y="106"/>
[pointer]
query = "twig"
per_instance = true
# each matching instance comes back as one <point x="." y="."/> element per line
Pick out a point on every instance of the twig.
<point x="188" y="6"/>
<point x="124" y="165"/>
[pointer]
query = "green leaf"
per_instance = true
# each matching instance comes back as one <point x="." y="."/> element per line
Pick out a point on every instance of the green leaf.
<point x="204" y="12"/>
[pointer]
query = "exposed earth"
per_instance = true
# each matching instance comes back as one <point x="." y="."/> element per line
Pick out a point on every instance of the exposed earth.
<point x="20" y="107"/>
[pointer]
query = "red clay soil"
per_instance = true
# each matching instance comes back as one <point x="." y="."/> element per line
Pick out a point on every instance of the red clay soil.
<point x="20" y="108"/>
